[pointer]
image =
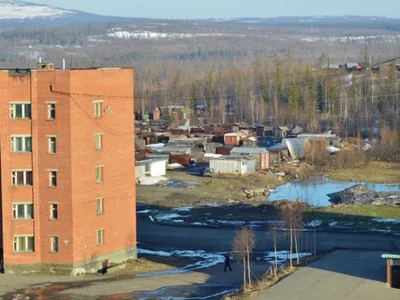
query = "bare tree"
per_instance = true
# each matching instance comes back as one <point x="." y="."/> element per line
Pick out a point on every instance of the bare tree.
<point x="274" y="230"/>
<point x="297" y="211"/>
<point x="243" y="245"/>
<point x="288" y="218"/>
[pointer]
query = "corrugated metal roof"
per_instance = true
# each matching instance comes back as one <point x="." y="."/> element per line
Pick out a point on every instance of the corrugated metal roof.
<point x="391" y="256"/>
<point x="248" y="150"/>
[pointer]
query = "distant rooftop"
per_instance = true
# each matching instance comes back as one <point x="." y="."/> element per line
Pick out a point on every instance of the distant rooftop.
<point x="248" y="150"/>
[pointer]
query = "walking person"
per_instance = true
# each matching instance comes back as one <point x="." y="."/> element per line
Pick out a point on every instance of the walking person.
<point x="227" y="263"/>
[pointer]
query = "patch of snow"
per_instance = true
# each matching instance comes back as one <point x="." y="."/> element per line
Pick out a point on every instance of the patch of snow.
<point x="377" y="39"/>
<point x="212" y="155"/>
<point x="152" y="35"/>
<point x="146" y="211"/>
<point x="388" y="230"/>
<point x="314" y="223"/>
<point x="332" y="150"/>
<point x="208" y="259"/>
<point x="333" y="224"/>
<point x="151" y="180"/>
<point x="168" y="217"/>
<point x="151" y="218"/>
<point x="183" y="209"/>
<point x="155" y="145"/>
<point x="10" y="9"/>
<point x="224" y="222"/>
<point x="199" y="224"/>
<point x="213" y="204"/>
<point x="284" y="255"/>
<point x="175" y="166"/>
<point x="383" y="220"/>
<point x="177" y="221"/>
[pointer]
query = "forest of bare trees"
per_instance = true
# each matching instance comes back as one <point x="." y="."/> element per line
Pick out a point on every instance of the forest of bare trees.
<point x="258" y="73"/>
<point x="283" y="90"/>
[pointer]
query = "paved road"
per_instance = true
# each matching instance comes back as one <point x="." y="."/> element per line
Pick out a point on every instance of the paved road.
<point x="154" y="236"/>
<point x="344" y="275"/>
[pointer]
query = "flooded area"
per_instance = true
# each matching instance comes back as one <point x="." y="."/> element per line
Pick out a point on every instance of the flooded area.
<point x="315" y="191"/>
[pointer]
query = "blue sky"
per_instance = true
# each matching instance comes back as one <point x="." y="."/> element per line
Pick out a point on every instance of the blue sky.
<point x="230" y="8"/>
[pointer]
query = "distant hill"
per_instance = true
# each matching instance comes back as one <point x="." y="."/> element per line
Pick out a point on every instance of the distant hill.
<point x="19" y="13"/>
<point x="16" y="14"/>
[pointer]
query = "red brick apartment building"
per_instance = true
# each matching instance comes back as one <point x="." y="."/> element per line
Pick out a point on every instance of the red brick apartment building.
<point x="67" y="169"/>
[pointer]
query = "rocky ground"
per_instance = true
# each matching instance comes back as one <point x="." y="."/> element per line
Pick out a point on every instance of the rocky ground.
<point x="360" y="194"/>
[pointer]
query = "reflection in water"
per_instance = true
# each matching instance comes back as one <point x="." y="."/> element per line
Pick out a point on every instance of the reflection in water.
<point x="315" y="191"/>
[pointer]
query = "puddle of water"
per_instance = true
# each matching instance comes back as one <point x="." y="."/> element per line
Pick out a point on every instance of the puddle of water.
<point x="176" y="184"/>
<point x="315" y="191"/>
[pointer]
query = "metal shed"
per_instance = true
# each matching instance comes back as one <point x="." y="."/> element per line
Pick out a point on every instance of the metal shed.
<point x="260" y="154"/>
<point x="233" y="165"/>
<point x="153" y="167"/>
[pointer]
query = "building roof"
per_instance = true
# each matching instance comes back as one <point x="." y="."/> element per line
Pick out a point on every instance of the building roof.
<point x="150" y="160"/>
<point x="391" y="256"/>
<point x="227" y="157"/>
<point x="283" y="128"/>
<point x="248" y="150"/>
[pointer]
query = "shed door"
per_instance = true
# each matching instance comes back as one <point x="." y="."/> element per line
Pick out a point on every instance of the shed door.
<point x="396" y="277"/>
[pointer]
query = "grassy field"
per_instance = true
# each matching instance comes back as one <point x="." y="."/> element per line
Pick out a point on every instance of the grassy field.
<point x="373" y="171"/>
<point x="354" y="212"/>
<point x="216" y="189"/>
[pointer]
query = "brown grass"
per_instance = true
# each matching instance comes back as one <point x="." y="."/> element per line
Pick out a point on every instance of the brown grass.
<point x="373" y="171"/>
<point x="142" y="265"/>
<point x="263" y="284"/>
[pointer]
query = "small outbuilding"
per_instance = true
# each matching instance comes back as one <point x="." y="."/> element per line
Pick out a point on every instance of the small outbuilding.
<point x="392" y="270"/>
<point x="151" y="167"/>
<point x="232" y="139"/>
<point x="260" y="154"/>
<point x="233" y="165"/>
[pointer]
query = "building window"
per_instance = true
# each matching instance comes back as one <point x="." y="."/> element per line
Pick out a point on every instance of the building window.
<point x="97" y="108"/>
<point x="100" y="206"/>
<point x="54" y="244"/>
<point x="99" y="174"/>
<point x="52" y="178"/>
<point x="21" y="178"/>
<point x="22" y="211"/>
<point x="100" y="236"/>
<point x="21" y="143"/>
<point x="98" y="141"/>
<point x="20" y="111"/>
<point x="51" y="111"/>
<point x="54" y="211"/>
<point x="23" y="244"/>
<point x="52" y="141"/>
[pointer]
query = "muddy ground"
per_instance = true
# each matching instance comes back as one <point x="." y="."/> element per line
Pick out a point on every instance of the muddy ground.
<point x="199" y="190"/>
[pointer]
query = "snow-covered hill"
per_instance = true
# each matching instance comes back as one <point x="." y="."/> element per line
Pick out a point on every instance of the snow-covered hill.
<point x="12" y="9"/>
<point x="15" y="12"/>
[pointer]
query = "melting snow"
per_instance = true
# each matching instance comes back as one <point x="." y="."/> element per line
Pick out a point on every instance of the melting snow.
<point x="314" y="223"/>
<point x="168" y="217"/>
<point x="284" y="255"/>
<point x="383" y="220"/>
<point x="183" y="209"/>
